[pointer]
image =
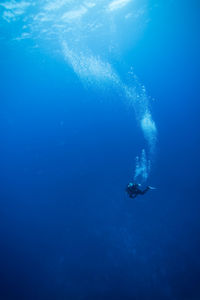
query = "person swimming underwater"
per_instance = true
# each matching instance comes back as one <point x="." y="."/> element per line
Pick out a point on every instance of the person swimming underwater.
<point x="133" y="190"/>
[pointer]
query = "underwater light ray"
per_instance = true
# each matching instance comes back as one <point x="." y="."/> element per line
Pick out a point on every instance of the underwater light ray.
<point x="87" y="32"/>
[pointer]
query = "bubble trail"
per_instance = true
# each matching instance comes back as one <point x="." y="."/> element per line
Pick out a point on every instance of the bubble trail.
<point x="89" y="34"/>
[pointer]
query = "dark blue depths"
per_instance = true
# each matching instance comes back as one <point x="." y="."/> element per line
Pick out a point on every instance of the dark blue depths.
<point x="67" y="229"/>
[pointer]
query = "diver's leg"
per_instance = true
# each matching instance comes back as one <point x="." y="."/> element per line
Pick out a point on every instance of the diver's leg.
<point x="133" y="196"/>
<point x="145" y="190"/>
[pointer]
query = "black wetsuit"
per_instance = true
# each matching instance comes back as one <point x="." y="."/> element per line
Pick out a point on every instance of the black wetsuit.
<point x="133" y="190"/>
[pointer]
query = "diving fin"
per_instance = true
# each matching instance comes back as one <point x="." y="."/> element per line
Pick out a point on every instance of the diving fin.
<point x="151" y="187"/>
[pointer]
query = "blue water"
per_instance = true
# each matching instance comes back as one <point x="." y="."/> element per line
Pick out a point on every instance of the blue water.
<point x="93" y="96"/>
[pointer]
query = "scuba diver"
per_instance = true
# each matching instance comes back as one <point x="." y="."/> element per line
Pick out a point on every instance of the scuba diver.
<point x="133" y="190"/>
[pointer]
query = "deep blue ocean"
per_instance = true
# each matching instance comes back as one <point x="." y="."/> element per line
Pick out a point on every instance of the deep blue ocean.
<point x="94" y="95"/>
